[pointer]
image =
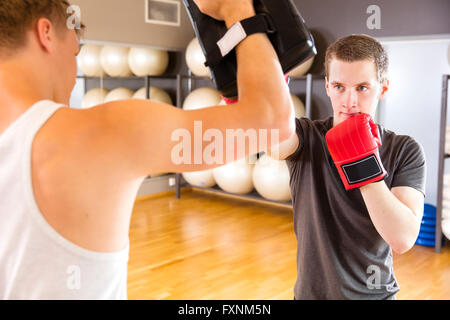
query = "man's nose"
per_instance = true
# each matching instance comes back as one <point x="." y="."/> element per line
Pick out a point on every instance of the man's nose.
<point x="350" y="100"/>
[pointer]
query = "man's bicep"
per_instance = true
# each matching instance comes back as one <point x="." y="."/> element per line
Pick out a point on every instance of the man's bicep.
<point x="151" y="137"/>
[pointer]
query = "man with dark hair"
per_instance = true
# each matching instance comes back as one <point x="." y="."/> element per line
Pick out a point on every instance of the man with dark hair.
<point x="357" y="188"/>
<point x="69" y="177"/>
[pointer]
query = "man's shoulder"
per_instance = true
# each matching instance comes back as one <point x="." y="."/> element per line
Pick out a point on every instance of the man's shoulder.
<point x="393" y="139"/>
<point x="322" y="125"/>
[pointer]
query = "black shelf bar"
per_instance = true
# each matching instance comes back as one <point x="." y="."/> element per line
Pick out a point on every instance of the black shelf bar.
<point x="253" y="195"/>
<point x="442" y="156"/>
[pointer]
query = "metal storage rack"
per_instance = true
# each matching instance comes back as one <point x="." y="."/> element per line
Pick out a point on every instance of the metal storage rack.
<point x="147" y="83"/>
<point x="308" y="78"/>
<point x="441" y="168"/>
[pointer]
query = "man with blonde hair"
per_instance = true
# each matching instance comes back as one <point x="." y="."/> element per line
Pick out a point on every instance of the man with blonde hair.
<point x="69" y="177"/>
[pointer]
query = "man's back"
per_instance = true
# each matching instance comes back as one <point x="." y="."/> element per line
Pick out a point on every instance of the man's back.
<point x="50" y="248"/>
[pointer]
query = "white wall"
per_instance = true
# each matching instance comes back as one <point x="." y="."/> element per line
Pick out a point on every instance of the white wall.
<point x="413" y="105"/>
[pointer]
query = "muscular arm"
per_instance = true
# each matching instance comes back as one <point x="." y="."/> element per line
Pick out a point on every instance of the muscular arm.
<point x="395" y="213"/>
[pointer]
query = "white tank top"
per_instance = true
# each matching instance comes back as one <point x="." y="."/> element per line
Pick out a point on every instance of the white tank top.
<point x="36" y="262"/>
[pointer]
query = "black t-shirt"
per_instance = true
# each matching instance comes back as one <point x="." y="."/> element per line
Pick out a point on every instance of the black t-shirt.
<point x="340" y="255"/>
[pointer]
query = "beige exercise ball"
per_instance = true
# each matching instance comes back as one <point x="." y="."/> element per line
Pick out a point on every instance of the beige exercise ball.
<point x="202" y="98"/>
<point x="302" y="69"/>
<point x="271" y="179"/>
<point x="156" y="94"/>
<point x="89" y="60"/>
<point x="114" y="60"/>
<point x="198" y="99"/>
<point x="119" y="94"/>
<point x="448" y="54"/>
<point x="148" y="62"/>
<point x="195" y="59"/>
<point x="203" y="178"/>
<point x="299" y="107"/>
<point x="94" y="97"/>
<point x="235" y="177"/>
<point x="445" y="224"/>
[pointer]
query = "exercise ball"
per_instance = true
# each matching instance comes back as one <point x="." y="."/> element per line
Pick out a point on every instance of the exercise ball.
<point x="299" y="107"/>
<point x="119" y="94"/>
<point x="302" y="69"/>
<point x="235" y="177"/>
<point x="446" y="212"/>
<point x="446" y="228"/>
<point x="448" y="54"/>
<point x="114" y="61"/>
<point x="195" y="59"/>
<point x="94" y="97"/>
<point x="147" y="62"/>
<point x="271" y="179"/>
<point x="203" y="178"/>
<point x="202" y="98"/>
<point x="89" y="60"/>
<point x="156" y="94"/>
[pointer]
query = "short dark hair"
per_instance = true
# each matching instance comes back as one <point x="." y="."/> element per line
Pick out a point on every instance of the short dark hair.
<point x="357" y="47"/>
<point x="18" y="16"/>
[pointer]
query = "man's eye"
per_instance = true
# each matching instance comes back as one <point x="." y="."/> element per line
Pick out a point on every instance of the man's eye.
<point x="363" y="88"/>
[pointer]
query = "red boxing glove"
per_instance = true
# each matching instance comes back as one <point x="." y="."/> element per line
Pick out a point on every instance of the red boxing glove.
<point x="353" y="145"/>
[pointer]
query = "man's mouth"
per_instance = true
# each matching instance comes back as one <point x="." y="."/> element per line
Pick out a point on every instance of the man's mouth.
<point x="349" y="115"/>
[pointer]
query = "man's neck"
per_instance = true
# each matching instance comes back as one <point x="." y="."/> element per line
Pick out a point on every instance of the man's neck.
<point x="21" y="87"/>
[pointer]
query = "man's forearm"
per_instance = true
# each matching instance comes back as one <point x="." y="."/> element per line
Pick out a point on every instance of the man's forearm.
<point x="397" y="224"/>
<point x="260" y="77"/>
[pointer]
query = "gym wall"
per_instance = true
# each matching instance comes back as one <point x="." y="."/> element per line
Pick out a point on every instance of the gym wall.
<point x="122" y="21"/>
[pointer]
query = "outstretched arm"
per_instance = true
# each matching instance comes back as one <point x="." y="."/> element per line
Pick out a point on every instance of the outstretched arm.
<point x="140" y="133"/>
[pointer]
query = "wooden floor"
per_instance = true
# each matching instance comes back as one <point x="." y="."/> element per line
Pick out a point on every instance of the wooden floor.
<point x="205" y="246"/>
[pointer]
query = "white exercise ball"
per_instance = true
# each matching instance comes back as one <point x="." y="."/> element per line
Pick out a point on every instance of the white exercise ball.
<point x="195" y="59"/>
<point x="299" y="107"/>
<point x="203" y="178"/>
<point x="148" y="62"/>
<point x="271" y="179"/>
<point x="114" y="61"/>
<point x="202" y="98"/>
<point x="94" y="97"/>
<point x="445" y="224"/>
<point x="156" y="94"/>
<point x="119" y="94"/>
<point x="448" y="54"/>
<point x="235" y="177"/>
<point x="302" y="69"/>
<point x="89" y="60"/>
<point x="445" y="211"/>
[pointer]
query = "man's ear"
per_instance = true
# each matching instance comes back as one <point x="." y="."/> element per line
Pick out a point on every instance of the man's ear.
<point x="327" y="88"/>
<point x="384" y="89"/>
<point x="45" y="34"/>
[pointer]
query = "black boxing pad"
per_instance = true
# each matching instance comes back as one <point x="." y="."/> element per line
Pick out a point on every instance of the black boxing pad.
<point x="284" y="25"/>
